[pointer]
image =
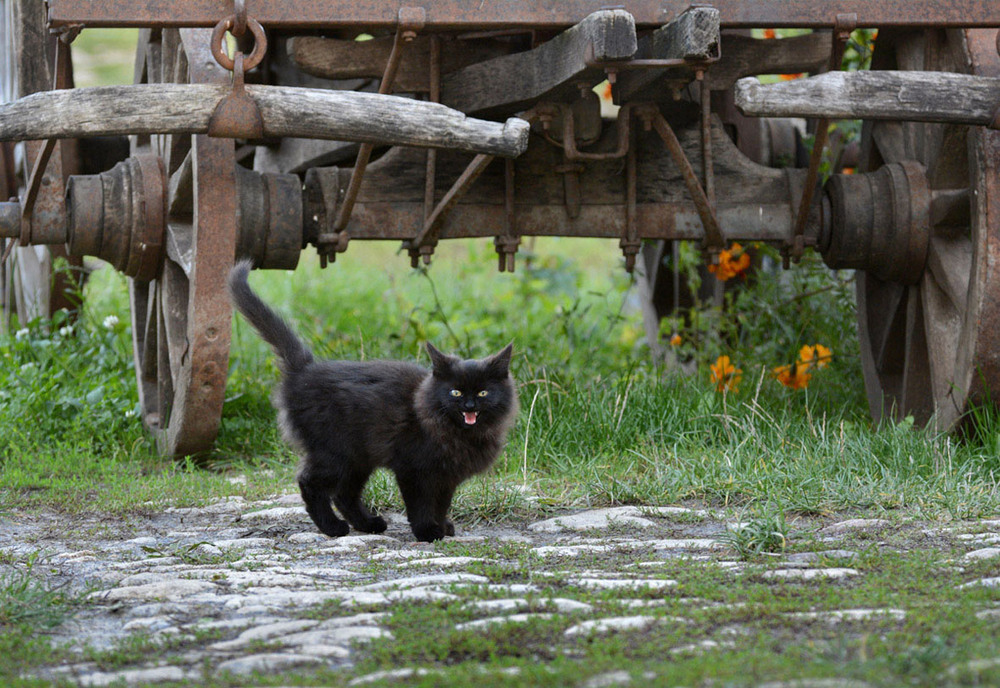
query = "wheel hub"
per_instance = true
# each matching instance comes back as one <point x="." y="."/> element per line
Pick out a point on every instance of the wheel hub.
<point x="119" y="216"/>
<point x="878" y="222"/>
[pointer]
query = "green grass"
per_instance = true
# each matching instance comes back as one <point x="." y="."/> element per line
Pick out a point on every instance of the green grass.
<point x="600" y="423"/>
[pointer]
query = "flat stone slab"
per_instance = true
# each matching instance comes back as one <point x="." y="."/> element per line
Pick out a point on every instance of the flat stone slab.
<point x="266" y="662"/>
<point x="278" y="514"/>
<point x="429" y="579"/>
<point x="163" y="590"/>
<point x="624" y="583"/>
<point x="854" y="525"/>
<point x="500" y="620"/>
<point x="984" y="553"/>
<point x="836" y="616"/>
<point x="612" y="624"/>
<point x="629" y="516"/>
<point x="134" y="676"/>
<point x="809" y="574"/>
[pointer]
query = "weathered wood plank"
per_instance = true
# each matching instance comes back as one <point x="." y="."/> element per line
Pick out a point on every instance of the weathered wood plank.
<point x="331" y="58"/>
<point x="745" y="56"/>
<point x="555" y="70"/>
<point x="694" y="35"/>
<point x="286" y="111"/>
<point x="889" y="95"/>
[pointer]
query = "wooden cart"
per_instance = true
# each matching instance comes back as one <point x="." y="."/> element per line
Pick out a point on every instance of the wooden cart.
<point x="485" y="124"/>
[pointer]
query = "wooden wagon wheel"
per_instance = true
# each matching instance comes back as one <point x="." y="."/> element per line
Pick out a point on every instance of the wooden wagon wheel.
<point x="27" y="53"/>
<point x="181" y="319"/>
<point x="932" y="348"/>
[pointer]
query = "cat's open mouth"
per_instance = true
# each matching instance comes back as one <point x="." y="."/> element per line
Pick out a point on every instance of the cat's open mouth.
<point x="470" y="417"/>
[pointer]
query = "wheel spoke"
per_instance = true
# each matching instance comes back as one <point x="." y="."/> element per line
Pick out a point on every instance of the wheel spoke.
<point x="948" y="161"/>
<point x="891" y="141"/>
<point x="949" y="263"/>
<point x="886" y="302"/>
<point x="917" y="395"/>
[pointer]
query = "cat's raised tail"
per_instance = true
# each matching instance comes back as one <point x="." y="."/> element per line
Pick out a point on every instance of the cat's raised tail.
<point x="293" y="356"/>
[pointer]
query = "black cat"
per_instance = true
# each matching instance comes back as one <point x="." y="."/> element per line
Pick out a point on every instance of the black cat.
<point x="433" y="429"/>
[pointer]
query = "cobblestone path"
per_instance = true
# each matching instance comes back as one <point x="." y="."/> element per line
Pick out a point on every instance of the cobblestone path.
<point x="263" y="592"/>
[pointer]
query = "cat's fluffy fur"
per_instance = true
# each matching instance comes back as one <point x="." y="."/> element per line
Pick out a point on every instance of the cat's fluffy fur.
<point x="432" y="429"/>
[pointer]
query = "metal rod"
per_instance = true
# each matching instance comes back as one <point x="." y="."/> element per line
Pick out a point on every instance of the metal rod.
<point x="34" y="185"/>
<point x="707" y="161"/>
<point x="430" y="174"/>
<point x="435" y="97"/>
<point x="713" y="235"/>
<point x="845" y="24"/>
<point x="630" y="242"/>
<point x="431" y="226"/>
<point x="506" y="244"/>
<point x="404" y="34"/>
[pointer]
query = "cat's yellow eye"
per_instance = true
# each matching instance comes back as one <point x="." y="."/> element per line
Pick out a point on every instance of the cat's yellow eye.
<point x="456" y="393"/>
<point x="482" y="393"/>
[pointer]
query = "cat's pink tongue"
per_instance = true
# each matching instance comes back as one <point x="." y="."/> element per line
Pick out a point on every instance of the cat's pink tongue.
<point x="470" y="417"/>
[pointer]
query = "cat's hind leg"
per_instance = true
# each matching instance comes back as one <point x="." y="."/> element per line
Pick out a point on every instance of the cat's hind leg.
<point x="316" y="488"/>
<point x="347" y="497"/>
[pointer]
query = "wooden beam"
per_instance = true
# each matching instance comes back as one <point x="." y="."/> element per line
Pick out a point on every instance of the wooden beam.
<point x="745" y="56"/>
<point x="694" y="35"/>
<point x="887" y="95"/>
<point x="555" y="70"/>
<point x="286" y="111"/>
<point x="332" y="58"/>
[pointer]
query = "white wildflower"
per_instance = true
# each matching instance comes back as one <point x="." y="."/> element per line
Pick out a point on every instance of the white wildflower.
<point x="21" y="334"/>
<point x="131" y="413"/>
<point x="66" y="330"/>
<point x="110" y="322"/>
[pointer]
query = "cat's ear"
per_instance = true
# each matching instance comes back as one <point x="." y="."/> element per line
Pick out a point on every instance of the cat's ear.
<point x="442" y="362"/>
<point x="499" y="363"/>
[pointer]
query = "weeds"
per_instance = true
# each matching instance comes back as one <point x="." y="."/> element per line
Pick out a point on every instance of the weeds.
<point x="766" y="533"/>
<point x="28" y="602"/>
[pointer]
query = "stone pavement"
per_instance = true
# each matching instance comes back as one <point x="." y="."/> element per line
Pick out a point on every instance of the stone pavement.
<point x="265" y="592"/>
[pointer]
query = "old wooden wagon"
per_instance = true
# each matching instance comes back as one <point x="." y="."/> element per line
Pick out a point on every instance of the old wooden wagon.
<point x="257" y="128"/>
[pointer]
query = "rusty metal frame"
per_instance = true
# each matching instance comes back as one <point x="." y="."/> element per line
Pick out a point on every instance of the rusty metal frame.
<point x="513" y="14"/>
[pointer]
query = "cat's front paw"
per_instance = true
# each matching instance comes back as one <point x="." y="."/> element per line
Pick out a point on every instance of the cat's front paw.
<point x="375" y="524"/>
<point x="334" y="528"/>
<point x="449" y="528"/>
<point x="428" y="532"/>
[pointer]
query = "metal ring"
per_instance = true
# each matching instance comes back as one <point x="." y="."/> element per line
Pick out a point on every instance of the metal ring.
<point x="259" y="46"/>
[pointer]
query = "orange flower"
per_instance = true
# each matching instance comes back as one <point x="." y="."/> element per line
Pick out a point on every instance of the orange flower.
<point x="732" y="262"/>
<point x="796" y="377"/>
<point x="675" y="340"/>
<point x="725" y="376"/>
<point x="823" y="355"/>
<point x="790" y="77"/>
<point x="606" y="94"/>
<point x="817" y="355"/>
<point x="769" y="33"/>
